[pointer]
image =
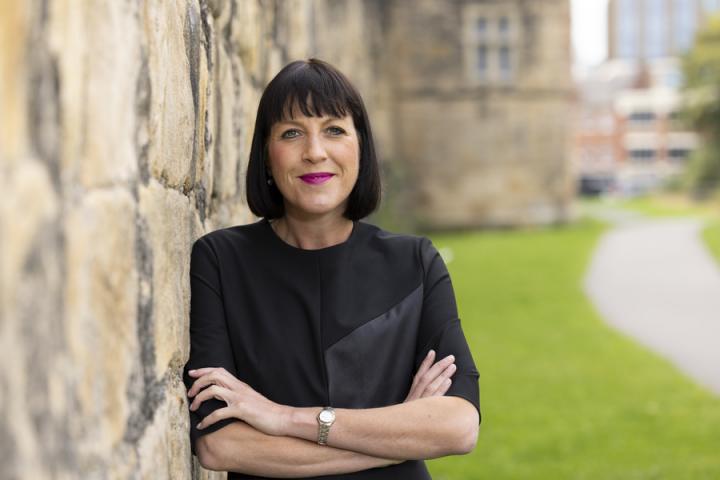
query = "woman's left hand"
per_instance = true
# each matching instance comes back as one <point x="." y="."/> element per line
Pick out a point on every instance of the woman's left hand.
<point x="242" y="401"/>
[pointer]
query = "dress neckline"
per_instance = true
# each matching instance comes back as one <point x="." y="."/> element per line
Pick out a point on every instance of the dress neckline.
<point x="305" y="251"/>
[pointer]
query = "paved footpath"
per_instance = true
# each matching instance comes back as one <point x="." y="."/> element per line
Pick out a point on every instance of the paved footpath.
<point x="655" y="281"/>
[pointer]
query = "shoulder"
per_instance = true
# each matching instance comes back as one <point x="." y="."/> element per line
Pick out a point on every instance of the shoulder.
<point x="416" y="248"/>
<point x="226" y="239"/>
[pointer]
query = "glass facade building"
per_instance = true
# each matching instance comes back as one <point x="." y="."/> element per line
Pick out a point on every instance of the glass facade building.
<point x="650" y="29"/>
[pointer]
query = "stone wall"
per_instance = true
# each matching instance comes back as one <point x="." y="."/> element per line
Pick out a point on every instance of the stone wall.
<point x="125" y="131"/>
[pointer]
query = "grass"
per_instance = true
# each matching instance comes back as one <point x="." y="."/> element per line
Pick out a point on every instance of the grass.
<point x="711" y="236"/>
<point x="662" y="205"/>
<point x="562" y="395"/>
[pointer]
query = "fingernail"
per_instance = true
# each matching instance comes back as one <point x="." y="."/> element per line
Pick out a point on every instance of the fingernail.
<point x="191" y="371"/>
<point x="451" y="357"/>
<point x="430" y="353"/>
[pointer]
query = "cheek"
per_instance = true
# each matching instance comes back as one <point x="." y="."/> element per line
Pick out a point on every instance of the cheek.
<point x="278" y="154"/>
<point x="350" y="154"/>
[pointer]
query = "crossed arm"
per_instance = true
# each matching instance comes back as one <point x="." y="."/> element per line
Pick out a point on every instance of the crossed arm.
<point x="425" y="428"/>
<point x="425" y="425"/>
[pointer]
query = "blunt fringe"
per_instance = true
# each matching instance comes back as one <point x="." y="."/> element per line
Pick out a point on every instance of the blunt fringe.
<point x="316" y="88"/>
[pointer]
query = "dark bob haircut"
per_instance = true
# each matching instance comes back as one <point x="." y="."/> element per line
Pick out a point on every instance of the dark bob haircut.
<point x="316" y="88"/>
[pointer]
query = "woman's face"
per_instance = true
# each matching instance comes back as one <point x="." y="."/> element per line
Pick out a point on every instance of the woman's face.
<point x="314" y="163"/>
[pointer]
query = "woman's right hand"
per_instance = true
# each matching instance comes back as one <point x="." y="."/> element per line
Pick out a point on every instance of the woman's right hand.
<point x="432" y="380"/>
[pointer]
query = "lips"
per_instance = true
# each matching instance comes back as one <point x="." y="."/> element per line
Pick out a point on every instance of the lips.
<point x="316" y="178"/>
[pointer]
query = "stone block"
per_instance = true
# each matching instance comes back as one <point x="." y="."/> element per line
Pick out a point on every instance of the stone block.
<point x="171" y="122"/>
<point x="98" y="55"/>
<point x="164" y="449"/>
<point x="170" y="220"/>
<point x="100" y="316"/>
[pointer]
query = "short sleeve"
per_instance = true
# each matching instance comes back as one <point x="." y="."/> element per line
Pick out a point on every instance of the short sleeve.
<point x="209" y="340"/>
<point x="441" y="329"/>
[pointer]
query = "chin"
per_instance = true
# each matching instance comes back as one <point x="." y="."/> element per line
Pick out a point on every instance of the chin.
<point x="316" y="209"/>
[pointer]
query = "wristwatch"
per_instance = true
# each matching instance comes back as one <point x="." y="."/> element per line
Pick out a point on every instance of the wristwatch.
<point x="325" y="419"/>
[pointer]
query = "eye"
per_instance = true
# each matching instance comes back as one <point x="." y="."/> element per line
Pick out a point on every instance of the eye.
<point x="292" y="133"/>
<point x="336" y="130"/>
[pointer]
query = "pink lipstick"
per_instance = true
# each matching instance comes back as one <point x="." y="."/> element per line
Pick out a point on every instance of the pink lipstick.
<point x="316" y="178"/>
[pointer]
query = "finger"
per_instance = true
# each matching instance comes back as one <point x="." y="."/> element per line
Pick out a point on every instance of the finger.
<point x="412" y="394"/>
<point x="216" y="416"/>
<point x="213" y="391"/>
<point x="424" y="366"/>
<point x="213" y="377"/>
<point x="444" y="387"/>
<point x="435" y="370"/>
<point x="437" y="383"/>
<point x="201" y="371"/>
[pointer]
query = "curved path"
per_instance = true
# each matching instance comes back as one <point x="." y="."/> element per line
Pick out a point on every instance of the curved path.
<point x="656" y="281"/>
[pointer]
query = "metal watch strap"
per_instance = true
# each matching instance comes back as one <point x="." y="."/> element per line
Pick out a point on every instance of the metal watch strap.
<point x="323" y="434"/>
<point x="324" y="428"/>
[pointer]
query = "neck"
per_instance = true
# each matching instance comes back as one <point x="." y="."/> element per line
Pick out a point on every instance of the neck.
<point x="313" y="234"/>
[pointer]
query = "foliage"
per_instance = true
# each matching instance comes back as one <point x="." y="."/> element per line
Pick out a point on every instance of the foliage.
<point x="562" y="394"/>
<point x="701" y="68"/>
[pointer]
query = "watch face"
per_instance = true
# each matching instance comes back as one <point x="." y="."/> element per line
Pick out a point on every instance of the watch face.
<point x="327" y="416"/>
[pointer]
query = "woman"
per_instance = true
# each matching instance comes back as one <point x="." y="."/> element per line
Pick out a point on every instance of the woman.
<point x="314" y="335"/>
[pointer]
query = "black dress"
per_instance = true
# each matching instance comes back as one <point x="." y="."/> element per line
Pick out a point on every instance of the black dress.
<point x="345" y="326"/>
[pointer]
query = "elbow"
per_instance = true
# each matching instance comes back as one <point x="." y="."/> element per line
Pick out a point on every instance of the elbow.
<point x="468" y="441"/>
<point x="205" y="454"/>
<point x="461" y="425"/>
<point x="467" y="428"/>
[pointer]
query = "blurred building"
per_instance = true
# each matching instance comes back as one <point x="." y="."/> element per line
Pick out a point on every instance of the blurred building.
<point x="628" y="135"/>
<point x="482" y="96"/>
<point x="649" y="29"/>
<point x="653" y="144"/>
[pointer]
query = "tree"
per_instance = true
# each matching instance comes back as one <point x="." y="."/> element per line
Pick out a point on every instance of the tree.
<point x="701" y="67"/>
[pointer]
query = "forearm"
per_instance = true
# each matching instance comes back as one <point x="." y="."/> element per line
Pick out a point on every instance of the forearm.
<point x="241" y="448"/>
<point x="421" y="429"/>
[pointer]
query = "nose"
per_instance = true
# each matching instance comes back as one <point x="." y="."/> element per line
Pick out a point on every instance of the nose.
<point x="314" y="149"/>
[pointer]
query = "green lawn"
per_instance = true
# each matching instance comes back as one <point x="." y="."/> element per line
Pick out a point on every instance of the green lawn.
<point x="666" y="205"/>
<point x="711" y="235"/>
<point x="562" y="395"/>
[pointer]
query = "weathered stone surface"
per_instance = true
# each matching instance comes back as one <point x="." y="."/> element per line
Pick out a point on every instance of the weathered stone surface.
<point x="172" y="116"/>
<point x="30" y="284"/>
<point x="15" y="24"/>
<point x="98" y="56"/>
<point x="100" y="314"/>
<point x="162" y="452"/>
<point x="170" y="220"/>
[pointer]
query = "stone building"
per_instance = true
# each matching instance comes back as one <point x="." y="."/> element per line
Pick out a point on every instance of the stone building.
<point x="482" y="93"/>
<point x="124" y="136"/>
